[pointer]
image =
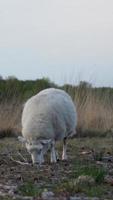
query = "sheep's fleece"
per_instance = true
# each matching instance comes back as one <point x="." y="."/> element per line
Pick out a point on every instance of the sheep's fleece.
<point x="47" y="117"/>
<point x="50" y="114"/>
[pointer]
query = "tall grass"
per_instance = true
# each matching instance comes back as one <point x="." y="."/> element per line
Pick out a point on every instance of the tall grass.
<point x="10" y="118"/>
<point x="95" y="112"/>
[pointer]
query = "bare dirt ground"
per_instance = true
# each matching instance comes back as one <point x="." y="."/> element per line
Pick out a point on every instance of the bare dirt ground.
<point x="89" y="157"/>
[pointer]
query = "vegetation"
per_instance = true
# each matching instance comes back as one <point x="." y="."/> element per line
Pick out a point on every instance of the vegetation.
<point x="12" y="88"/>
<point x="94" y="105"/>
<point x="81" y="175"/>
<point x="95" y="118"/>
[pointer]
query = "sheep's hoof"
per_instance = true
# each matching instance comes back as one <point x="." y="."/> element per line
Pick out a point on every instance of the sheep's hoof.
<point x="64" y="158"/>
<point x="53" y="161"/>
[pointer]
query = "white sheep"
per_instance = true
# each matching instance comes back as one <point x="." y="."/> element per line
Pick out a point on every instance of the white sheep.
<point x="48" y="117"/>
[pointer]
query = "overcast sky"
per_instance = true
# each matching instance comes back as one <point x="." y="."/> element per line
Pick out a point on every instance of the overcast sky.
<point x="66" y="40"/>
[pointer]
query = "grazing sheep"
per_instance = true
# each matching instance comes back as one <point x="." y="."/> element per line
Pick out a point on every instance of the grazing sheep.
<point x="48" y="117"/>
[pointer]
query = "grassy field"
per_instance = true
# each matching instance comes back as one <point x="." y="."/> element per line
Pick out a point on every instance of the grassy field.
<point x="94" y="105"/>
<point x="92" y="157"/>
<point x="94" y="110"/>
<point x="90" y="154"/>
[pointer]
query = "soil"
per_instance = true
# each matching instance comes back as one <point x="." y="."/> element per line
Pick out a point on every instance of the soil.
<point x="48" y="177"/>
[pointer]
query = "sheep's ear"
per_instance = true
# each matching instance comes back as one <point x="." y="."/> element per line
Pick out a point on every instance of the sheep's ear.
<point x="22" y="139"/>
<point x="46" y="141"/>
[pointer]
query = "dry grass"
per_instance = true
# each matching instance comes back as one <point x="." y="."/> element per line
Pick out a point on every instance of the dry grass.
<point x="95" y="114"/>
<point x="10" y="115"/>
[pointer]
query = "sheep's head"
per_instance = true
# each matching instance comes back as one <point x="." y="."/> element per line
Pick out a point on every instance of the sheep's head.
<point x="37" y="149"/>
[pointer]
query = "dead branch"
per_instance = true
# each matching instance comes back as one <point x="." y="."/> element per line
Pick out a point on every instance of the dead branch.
<point x="19" y="162"/>
<point x="25" y="160"/>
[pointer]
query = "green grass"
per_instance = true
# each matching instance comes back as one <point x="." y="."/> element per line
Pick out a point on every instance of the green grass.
<point x="97" y="173"/>
<point x="70" y="188"/>
<point x="96" y="191"/>
<point x="5" y="198"/>
<point x="67" y="185"/>
<point x="30" y="189"/>
<point x="61" y="177"/>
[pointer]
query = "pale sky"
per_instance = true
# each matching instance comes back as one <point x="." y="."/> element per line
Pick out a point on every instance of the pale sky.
<point x="65" y="40"/>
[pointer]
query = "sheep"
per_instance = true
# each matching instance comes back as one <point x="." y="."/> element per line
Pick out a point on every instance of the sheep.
<point x="48" y="117"/>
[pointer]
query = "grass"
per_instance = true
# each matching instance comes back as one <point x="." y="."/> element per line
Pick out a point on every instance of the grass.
<point x="30" y="189"/>
<point x="95" y="124"/>
<point x="61" y="178"/>
<point x="10" y="118"/>
<point x="68" y="187"/>
<point x="65" y="188"/>
<point x="96" y="191"/>
<point x="95" y="113"/>
<point x="91" y="170"/>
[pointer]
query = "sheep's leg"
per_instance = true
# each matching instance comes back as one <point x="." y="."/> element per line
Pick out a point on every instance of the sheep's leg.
<point x="53" y="153"/>
<point x="64" y="154"/>
<point x="57" y="156"/>
<point x="42" y="158"/>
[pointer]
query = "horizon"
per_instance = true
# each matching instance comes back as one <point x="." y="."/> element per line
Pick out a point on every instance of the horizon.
<point x="66" y="77"/>
<point x="12" y="77"/>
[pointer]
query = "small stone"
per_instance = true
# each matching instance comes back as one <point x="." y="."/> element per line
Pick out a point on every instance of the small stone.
<point x="100" y="163"/>
<point x="111" y="172"/>
<point x="75" y="198"/>
<point x="22" y="198"/>
<point x="2" y="194"/>
<point x="107" y="159"/>
<point x="109" y="180"/>
<point x="86" y="152"/>
<point x="19" y="177"/>
<point x="84" y="181"/>
<point x="47" y="195"/>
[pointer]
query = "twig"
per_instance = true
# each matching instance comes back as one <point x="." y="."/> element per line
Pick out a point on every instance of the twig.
<point x="19" y="162"/>
<point x="22" y="156"/>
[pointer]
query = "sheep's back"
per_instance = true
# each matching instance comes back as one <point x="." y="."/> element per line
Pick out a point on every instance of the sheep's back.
<point x="49" y="114"/>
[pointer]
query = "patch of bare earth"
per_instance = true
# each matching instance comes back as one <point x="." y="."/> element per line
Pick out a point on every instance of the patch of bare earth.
<point x="59" y="180"/>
